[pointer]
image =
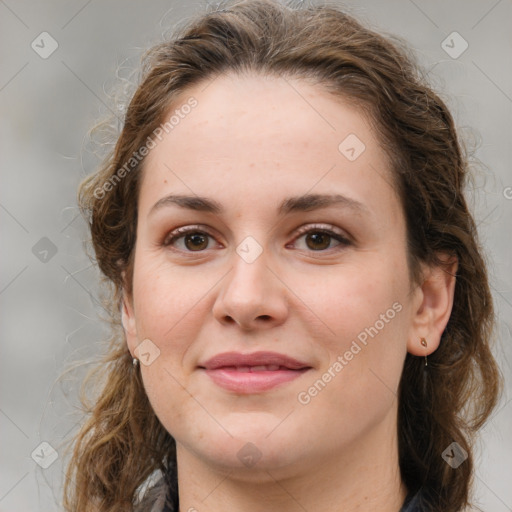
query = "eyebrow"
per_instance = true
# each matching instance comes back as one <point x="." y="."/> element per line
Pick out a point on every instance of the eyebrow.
<point x="304" y="203"/>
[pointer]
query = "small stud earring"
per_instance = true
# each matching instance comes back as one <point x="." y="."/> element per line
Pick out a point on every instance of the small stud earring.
<point x="135" y="362"/>
<point x="424" y="343"/>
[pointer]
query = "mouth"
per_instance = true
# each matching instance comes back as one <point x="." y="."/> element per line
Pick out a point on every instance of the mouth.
<point x="252" y="373"/>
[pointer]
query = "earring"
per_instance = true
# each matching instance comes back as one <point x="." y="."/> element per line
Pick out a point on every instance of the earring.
<point x="424" y="343"/>
<point x="135" y="362"/>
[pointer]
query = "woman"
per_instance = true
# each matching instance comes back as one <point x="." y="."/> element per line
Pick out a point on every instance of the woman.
<point x="306" y="316"/>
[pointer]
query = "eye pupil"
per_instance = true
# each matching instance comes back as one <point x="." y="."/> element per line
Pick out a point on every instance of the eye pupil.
<point x="318" y="238"/>
<point x="196" y="238"/>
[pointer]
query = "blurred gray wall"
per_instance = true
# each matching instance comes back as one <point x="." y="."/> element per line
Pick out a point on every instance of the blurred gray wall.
<point x="58" y="60"/>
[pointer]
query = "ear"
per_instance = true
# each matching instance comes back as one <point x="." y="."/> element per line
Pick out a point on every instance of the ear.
<point x="432" y="305"/>
<point x="128" y="321"/>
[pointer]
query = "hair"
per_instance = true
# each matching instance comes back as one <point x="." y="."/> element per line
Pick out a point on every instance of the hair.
<point x="447" y="401"/>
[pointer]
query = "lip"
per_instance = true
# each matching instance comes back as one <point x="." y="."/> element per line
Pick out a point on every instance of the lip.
<point x="232" y="370"/>
<point x="255" y="359"/>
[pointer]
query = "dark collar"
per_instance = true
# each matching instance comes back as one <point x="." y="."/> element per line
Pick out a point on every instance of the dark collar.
<point x="414" y="502"/>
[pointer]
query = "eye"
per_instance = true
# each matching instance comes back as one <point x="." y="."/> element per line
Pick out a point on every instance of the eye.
<point x="319" y="238"/>
<point x="193" y="239"/>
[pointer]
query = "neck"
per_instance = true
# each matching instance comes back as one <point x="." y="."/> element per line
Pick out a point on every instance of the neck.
<point x="364" y="478"/>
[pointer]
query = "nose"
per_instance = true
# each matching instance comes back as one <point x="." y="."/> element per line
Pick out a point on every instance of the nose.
<point x="251" y="296"/>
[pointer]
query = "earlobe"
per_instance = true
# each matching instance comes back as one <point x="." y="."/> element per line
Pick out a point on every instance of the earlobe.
<point x="434" y="307"/>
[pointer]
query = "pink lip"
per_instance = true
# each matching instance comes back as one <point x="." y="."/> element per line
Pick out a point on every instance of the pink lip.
<point x="254" y="359"/>
<point x="232" y="370"/>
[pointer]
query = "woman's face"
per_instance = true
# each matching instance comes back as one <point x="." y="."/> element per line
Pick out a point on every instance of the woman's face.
<point x="305" y="256"/>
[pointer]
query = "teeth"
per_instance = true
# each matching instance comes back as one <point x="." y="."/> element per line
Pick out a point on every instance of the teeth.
<point x="260" y="368"/>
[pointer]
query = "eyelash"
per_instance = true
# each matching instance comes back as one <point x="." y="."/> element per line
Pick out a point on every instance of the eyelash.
<point x="183" y="231"/>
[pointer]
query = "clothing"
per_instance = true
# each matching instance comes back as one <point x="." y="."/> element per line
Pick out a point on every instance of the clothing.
<point x="163" y="497"/>
<point x="413" y="503"/>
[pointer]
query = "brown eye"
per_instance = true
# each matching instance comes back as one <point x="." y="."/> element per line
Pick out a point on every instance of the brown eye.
<point x="196" y="241"/>
<point x="320" y="239"/>
<point x="188" y="239"/>
<point x="317" y="240"/>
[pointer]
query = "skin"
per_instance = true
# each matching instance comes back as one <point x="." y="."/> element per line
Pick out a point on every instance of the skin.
<point x="251" y="142"/>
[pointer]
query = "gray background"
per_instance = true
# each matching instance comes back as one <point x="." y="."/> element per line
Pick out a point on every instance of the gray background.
<point x="49" y="301"/>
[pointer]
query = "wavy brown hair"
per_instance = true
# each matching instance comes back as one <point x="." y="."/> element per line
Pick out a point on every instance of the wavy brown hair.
<point x="122" y="442"/>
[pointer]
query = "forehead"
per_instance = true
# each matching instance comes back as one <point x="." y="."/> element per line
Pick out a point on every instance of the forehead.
<point x="261" y="135"/>
<point x="267" y="110"/>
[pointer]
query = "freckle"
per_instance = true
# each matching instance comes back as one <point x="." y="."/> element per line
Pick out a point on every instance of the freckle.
<point x="165" y="181"/>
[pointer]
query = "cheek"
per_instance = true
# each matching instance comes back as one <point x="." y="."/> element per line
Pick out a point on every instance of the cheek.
<point x="364" y="312"/>
<point x="170" y="310"/>
<point x="168" y="300"/>
<point x="349" y="299"/>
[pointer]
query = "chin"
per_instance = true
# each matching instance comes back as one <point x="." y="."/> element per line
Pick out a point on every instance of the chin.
<point x="251" y="463"/>
<point x="251" y="450"/>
